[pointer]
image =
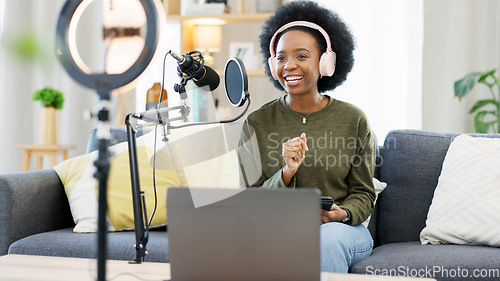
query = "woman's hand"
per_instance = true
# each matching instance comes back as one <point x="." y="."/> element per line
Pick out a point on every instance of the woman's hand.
<point x="293" y="152"/>
<point x="335" y="214"/>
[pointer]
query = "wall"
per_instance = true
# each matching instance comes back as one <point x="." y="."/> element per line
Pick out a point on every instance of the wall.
<point x="460" y="36"/>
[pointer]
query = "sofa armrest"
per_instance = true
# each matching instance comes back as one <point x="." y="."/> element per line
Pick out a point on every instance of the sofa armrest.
<point x="31" y="202"/>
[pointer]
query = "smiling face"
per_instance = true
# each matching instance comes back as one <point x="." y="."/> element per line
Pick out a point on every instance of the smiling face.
<point x="297" y="62"/>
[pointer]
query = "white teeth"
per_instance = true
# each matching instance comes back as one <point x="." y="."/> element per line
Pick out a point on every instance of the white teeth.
<point x="293" y="78"/>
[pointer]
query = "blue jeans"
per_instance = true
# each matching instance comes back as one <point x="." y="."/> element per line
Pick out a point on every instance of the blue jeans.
<point x="343" y="245"/>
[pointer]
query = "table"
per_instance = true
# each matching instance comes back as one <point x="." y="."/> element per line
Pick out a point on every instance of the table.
<point x="40" y="150"/>
<point x="25" y="267"/>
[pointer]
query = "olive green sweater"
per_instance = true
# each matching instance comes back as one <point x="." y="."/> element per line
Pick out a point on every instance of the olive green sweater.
<point x="340" y="161"/>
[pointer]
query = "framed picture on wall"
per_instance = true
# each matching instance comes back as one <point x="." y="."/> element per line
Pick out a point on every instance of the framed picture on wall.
<point x="244" y="51"/>
<point x="204" y="7"/>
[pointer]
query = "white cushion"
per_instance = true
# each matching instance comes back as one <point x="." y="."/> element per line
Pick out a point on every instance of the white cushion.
<point x="379" y="187"/>
<point x="466" y="201"/>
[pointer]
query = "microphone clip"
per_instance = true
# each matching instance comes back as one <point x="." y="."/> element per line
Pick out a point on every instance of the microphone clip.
<point x="190" y="65"/>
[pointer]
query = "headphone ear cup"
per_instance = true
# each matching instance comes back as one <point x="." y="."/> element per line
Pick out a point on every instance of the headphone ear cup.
<point x="327" y="63"/>
<point x="272" y="68"/>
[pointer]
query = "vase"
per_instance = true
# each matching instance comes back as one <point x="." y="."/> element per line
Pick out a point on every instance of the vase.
<point x="153" y="96"/>
<point x="47" y="127"/>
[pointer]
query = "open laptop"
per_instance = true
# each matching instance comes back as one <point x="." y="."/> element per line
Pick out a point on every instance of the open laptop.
<point x="254" y="234"/>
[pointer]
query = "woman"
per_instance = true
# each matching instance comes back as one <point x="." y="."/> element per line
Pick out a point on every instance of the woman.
<point x="309" y="140"/>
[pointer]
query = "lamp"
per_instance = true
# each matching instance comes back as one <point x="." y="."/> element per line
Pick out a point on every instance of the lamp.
<point x="207" y="40"/>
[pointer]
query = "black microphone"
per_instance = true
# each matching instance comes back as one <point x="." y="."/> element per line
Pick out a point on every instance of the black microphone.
<point x="202" y="76"/>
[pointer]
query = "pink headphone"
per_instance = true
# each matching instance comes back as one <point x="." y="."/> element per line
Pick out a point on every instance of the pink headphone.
<point x="328" y="58"/>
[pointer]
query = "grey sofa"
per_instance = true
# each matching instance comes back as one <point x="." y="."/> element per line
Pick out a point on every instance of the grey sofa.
<point x="410" y="163"/>
<point x="35" y="217"/>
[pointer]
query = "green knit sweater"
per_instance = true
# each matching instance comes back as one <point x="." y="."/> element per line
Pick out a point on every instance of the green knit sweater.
<point x="340" y="161"/>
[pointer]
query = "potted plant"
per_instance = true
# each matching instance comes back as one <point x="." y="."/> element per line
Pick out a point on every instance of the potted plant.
<point x="52" y="100"/>
<point x="487" y="118"/>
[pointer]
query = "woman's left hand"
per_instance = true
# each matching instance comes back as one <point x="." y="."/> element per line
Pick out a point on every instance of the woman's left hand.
<point x="335" y="214"/>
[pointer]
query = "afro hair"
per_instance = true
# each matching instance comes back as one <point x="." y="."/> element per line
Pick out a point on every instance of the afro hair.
<point x="342" y="41"/>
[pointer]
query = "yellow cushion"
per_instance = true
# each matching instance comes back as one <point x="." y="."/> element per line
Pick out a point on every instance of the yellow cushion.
<point x="77" y="175"/>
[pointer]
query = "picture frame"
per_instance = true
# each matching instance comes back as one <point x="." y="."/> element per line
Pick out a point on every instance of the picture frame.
<point x="204" y="7"/>
<point x="244" y="51"/>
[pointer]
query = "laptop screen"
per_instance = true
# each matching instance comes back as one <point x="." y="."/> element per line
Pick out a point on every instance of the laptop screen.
<point x="252" y="234"/>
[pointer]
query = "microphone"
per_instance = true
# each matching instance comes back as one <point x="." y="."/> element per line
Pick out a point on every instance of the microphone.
<point x="202" y="75"/>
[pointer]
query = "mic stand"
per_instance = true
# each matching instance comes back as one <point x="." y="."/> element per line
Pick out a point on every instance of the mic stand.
<point x="151" y="117"/>
<point x="141" y="230"/>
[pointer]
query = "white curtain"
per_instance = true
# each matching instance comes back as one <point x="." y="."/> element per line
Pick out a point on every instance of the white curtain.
<point x="386" y="81"/>
<point x="20" y="77"/>
<point x="461" y="36"/>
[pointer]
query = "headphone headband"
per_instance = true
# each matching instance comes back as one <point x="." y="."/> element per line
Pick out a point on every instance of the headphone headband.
<point x="327" y="61"/>
<point x="299" y="23"/>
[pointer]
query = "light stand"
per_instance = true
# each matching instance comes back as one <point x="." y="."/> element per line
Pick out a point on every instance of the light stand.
<point x="103" y="83"/>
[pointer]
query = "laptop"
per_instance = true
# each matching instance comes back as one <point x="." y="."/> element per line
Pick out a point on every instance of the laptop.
<point x="249" y="234"/>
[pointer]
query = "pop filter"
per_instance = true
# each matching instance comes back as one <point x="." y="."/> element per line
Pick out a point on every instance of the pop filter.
<point x="236" y="82"/>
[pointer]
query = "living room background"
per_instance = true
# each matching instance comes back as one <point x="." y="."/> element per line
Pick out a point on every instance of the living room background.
<point x="409" y="54"/>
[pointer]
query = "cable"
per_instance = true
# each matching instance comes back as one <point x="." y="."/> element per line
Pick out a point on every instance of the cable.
<point x="163" y="79"/>
<point x="154" y="143"/>
<point x="154" y="179"/>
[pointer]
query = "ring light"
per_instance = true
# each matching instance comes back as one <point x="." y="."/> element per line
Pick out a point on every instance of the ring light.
<point x="74" y="65"/>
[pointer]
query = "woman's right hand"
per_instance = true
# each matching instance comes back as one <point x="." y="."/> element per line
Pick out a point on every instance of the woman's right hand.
<point x="293" y="152"/>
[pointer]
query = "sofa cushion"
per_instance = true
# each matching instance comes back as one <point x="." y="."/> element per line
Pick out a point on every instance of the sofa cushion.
<point x="466" y="202"/>
<point x="64" y="243"/>
<point x="411" y="163"/>
<point x="77" y="175"/>
<point x="443" y="262"/>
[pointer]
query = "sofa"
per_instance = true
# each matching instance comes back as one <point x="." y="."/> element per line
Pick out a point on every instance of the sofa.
<point x="35" y="217"/>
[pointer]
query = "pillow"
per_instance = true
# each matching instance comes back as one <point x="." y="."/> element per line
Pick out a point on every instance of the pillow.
<point x="466" y="201"/>
<point x="77" y="176"/>
<point x="379" y="187"/>
<point x="206" y="156"/>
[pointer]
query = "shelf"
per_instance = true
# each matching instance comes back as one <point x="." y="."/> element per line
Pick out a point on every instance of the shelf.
<point x="188" y="24"/>
<point x="250" y="73"/>
<point x="222" y="18"/>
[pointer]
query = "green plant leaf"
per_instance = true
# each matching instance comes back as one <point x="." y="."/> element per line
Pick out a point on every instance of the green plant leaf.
<point x="480" y="125"/>
<point x="464" y="86"/>
<point x="485" y="75"/>
<point x="49" y="97"/>
<point x="482" y="103"/>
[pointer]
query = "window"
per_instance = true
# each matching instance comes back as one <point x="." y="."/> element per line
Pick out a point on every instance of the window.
<point x="386" y="81"/>
<point x="2" y="8"/>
